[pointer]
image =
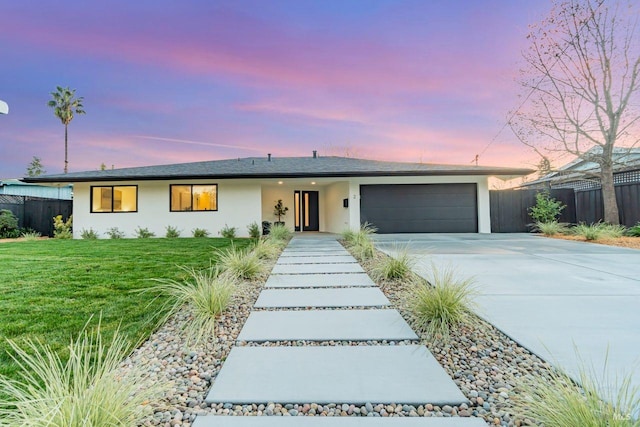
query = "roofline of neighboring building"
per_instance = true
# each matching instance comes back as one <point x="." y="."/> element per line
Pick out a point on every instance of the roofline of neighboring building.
<point x="487" y="172"/>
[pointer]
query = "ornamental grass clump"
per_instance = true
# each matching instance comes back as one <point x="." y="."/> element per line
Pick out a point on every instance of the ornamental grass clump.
<point x="171" y="232"/>
<point x="598" y="230"/>
<point x="88" y="389"/>
<point x="441" y="303"/>
<point x="393" y="267"/>
<point x="89" y="234"/>
<point x="595" y="402"/>
<point x="240" y="263"/>
<point x="280" y="232"/>
<point x="206" y="293"/>
<point x="551" y="228"/>
<point x="266" y="249"/>
<point x="633" y="231"/>
<point x="360" y="242"/>
<point x="31" y="235"/>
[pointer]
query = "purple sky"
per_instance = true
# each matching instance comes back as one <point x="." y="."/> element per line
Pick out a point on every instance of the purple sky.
<point x="176" y="81"/>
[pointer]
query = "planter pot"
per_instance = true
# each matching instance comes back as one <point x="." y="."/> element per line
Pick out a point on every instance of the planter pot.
<point x="279" y="223"/>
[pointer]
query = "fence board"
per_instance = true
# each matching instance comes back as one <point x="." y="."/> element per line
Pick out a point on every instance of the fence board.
<point x="510" y="208"/>
<point x="590" y="207"/>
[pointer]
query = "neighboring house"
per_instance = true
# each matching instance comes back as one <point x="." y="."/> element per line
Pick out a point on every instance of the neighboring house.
<point x="327" y="194"/>
<point x="14" y="187"/>
<point x="583" y="175"/>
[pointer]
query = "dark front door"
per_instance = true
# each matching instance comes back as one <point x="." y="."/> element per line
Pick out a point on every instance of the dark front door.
<point x="306" y="211"/>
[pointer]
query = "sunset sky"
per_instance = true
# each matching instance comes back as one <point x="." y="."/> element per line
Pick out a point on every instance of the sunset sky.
<point x="175" y="81"/>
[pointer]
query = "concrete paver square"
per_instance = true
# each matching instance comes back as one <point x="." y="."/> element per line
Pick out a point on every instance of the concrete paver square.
<point x="337" y="259"/>
<point x="314" y="253"/>
<point x="316" y="268"/>
<point x="264" y="421"/>
<point x="328" y="297"/>
<point x="401" y="374"/>
<point x="325" y="325"/>
<point x="318" y="280"/>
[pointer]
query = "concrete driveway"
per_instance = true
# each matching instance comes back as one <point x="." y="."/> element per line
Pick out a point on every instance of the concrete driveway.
<point x="562" y="300"/>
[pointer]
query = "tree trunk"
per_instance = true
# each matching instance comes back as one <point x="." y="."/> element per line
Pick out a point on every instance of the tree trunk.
<point x="611" y="214"/>
<point x="66" y="163"/>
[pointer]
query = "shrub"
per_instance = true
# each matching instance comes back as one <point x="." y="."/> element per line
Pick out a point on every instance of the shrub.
<point x="200" y="232"/>
<point x="143" y="233"/>
<point x="634" y="231"/>
<point x="172" y="232"/>
<point x="114" y="233"/>
<point x="393" y="268"/>
<point x="441" y="303"/>
<point x="86" y="390"/>
<point x="62" y="229"/>
<point x="89" y="234"/>
<point x="228" y="232"/>
<point x="207" y="294"/>
<point x="266" y="249"/>
<point x="551" y="228"/>
<point x="254" y="230"/>
<point x="30" y="235"/>
<point x="8" y="223"/>
<point x="240" y="264"/>
<point x="546" y="209"/>
<point x="280" y="233"/>
<point x="558" y="401"/>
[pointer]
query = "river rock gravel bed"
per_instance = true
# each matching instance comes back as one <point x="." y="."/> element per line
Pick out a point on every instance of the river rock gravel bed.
<point x="484" y="363"/>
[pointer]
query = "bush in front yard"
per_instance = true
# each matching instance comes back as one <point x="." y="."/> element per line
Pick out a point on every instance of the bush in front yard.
<point x="62" y="229"/>
<point x="393" y="267"/>
<point x="8" y="223"/>
<point x="440" y="303"/>
<point x="546" y="209"/>
<point x="86" y="390"/>
<point x="551" y="228"/>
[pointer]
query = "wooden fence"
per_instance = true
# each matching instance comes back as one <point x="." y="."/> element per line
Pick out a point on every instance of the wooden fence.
<point x="590" y="209"/>
<point x="36" y="213"/>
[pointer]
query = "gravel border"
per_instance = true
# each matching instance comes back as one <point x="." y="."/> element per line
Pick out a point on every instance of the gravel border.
<point x="483" y="362"/>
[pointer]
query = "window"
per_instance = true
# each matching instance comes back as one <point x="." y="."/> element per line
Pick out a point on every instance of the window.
<point x="194" y="198"/>
<point x="114" y="199"/>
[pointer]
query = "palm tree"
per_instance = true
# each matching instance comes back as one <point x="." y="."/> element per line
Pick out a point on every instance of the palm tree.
<point x="65" y="105"/>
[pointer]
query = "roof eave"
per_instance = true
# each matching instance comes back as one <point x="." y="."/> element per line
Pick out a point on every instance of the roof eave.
<point x="484" y="172"/>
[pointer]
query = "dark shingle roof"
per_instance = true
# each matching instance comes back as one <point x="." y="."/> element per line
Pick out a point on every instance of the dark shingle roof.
<point x="282" y="167"/>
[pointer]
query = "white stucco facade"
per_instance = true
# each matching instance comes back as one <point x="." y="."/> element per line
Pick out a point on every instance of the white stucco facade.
<point x="244" y="201"/>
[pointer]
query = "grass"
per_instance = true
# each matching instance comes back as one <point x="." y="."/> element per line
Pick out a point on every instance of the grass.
<point x="240" y="263"/>
<point x="558" y="401"/>
<point x="598" y="230"/>
<point x="360" y="242"/>
<point x="205" y="292"/>
<point x="634" y="231"/>
<point x="49" y="288"/>
<point x="551" y="228"/>
<point x="280" y="233"/>
<point x="266" y="249"/>
<point x="443" y="302"/>
<point x="86" y="389"/>
<point x="393" y="267"/>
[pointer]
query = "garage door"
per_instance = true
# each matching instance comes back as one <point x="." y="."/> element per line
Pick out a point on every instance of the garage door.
<point x="420" y="208"/>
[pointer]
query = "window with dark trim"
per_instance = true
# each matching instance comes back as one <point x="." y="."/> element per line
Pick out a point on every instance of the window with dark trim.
<point x="114" y="198"/>
<point x="193" y="197"/>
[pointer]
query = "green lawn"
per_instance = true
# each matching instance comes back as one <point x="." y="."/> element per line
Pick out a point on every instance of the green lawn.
<point x="50" y="288"/>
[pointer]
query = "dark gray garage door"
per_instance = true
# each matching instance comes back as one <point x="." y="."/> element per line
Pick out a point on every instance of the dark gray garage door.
<point x="420" y="208"/>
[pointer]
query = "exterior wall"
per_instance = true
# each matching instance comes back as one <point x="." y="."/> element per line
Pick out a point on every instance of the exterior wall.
<point x="484" y="212"/>
<point x="241" y="202"/>
<point x="238" y="206"/>
<point x="337" y="216"/>
<point x="272" y="193"/>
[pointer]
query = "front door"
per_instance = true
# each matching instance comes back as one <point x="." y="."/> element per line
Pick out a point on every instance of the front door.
<point x="306" y="211"/>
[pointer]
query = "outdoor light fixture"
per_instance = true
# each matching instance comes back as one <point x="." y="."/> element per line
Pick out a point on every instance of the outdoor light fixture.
<point x="313" y="183"/>
<point x="280" y="182"/>
<point x="4" y="108"/>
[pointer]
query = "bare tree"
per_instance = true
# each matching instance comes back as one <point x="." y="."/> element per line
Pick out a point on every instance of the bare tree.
<point x="582" y="81"/>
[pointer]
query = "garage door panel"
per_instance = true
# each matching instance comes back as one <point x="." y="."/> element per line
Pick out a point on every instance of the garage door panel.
<point x="420" y="208"/>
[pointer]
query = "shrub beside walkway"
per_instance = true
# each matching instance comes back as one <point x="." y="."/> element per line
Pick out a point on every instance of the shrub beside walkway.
<point x="321" y="340"/>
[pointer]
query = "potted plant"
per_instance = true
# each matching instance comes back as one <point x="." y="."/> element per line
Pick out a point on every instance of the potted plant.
<point x="280" y="210"/>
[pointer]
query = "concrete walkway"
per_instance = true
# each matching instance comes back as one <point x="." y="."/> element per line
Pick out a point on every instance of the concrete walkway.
<point x="317" y="272"/>
<point x="554" y="297"/>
